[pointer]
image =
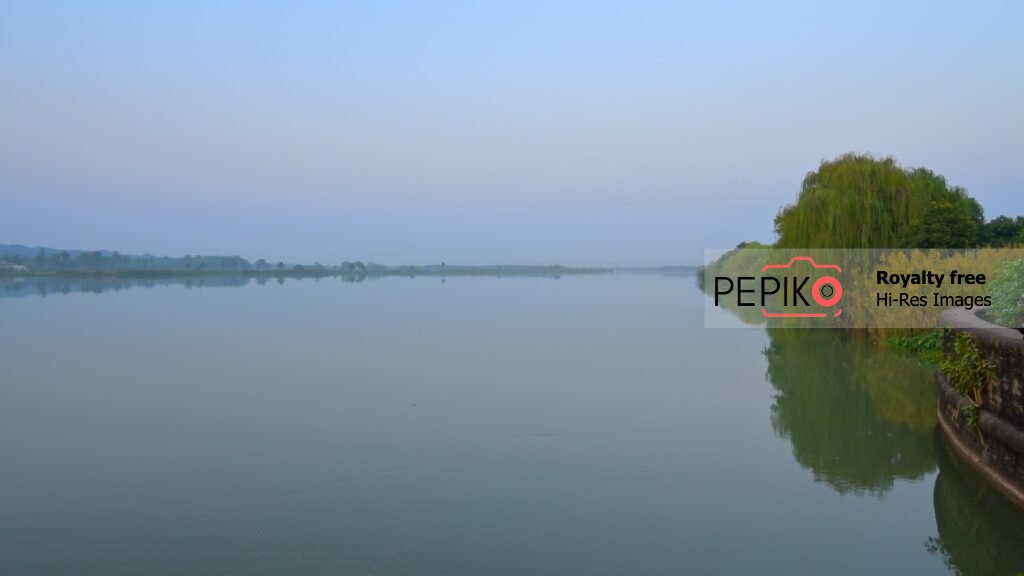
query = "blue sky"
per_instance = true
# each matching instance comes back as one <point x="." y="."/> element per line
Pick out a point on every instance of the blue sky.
<point x="412" y="132"/>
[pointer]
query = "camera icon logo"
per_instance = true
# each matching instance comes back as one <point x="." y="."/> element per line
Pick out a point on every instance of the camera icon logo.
<point x="826" y="291"/>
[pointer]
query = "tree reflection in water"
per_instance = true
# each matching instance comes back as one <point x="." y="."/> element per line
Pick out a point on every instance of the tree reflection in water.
<point x="857" y="416"/>
<point x="861" y="417"/>
<point x="980" y="531"/>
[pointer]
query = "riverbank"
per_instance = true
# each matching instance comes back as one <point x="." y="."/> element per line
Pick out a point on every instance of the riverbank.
<point x="312" y="271"/>
<point x="988" y="430"/>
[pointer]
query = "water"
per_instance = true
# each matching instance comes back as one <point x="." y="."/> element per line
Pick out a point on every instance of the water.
<point x="581" y="425"/>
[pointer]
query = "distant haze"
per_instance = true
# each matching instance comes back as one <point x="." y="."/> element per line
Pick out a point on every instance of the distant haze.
<point x="585" y="133"/>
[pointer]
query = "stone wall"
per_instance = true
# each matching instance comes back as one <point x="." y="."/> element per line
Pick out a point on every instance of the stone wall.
<point x="996" y="444"/>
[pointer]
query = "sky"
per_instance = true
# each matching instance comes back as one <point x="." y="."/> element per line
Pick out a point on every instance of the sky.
<point x="580" y="133"/>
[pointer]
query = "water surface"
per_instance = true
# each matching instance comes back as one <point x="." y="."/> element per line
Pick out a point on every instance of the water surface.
<point x="581" y="425"/>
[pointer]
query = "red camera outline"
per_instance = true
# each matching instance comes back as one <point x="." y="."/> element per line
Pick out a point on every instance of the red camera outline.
<point x="829" y="302"/>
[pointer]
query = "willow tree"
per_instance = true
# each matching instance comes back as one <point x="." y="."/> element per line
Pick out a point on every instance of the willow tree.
<point x="860" y="201"/>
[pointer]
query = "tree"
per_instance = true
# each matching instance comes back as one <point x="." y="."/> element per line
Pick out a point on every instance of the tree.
<point x="943" y="225"/>
<point x="1002" y="231"/>
<point x="860" y="201"/>
<point x="974" y="208"/>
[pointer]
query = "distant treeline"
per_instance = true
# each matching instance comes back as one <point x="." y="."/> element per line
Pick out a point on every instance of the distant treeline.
<point x="55" y="260"/>
<point x="17" y="259"/>
<point x="46" y="260"/>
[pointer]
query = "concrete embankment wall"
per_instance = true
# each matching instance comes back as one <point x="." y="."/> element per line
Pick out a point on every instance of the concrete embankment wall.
<point x="996" y="443"/>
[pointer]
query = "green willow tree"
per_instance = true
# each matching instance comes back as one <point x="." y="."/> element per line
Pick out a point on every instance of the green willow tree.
<point x="860" y="201"/>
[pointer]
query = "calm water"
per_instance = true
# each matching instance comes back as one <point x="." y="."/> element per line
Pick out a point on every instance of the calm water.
<point x="584" y="425"/>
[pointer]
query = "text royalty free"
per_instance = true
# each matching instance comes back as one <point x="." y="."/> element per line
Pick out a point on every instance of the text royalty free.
<point x="928" y="278"/>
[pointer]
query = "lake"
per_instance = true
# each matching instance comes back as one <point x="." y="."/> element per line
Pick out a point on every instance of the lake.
<point x="578" y="425"/>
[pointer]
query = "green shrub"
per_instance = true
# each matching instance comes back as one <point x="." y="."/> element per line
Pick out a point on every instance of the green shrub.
<point x="924" y="343"/>
<point x="1007" y="291"/>
<point x="966" y="368"/>
<point x="970" y="414"/>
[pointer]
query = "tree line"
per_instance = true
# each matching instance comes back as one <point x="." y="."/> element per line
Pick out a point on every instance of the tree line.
<point x="50" y="260"/>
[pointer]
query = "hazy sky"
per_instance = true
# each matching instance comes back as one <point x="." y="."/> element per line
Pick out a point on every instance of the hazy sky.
<point x="413" y="132"/>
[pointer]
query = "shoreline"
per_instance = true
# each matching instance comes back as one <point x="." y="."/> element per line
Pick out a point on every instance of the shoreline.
<point x="292" y="273"/>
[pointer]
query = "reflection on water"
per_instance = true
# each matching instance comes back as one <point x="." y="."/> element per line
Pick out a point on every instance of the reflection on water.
<point x="858" y="417"/>
<point x="13" y="287"/>
<point x="479" y="426"/>
<point x="980" y="531"/>
<point x="861" y="418"/>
